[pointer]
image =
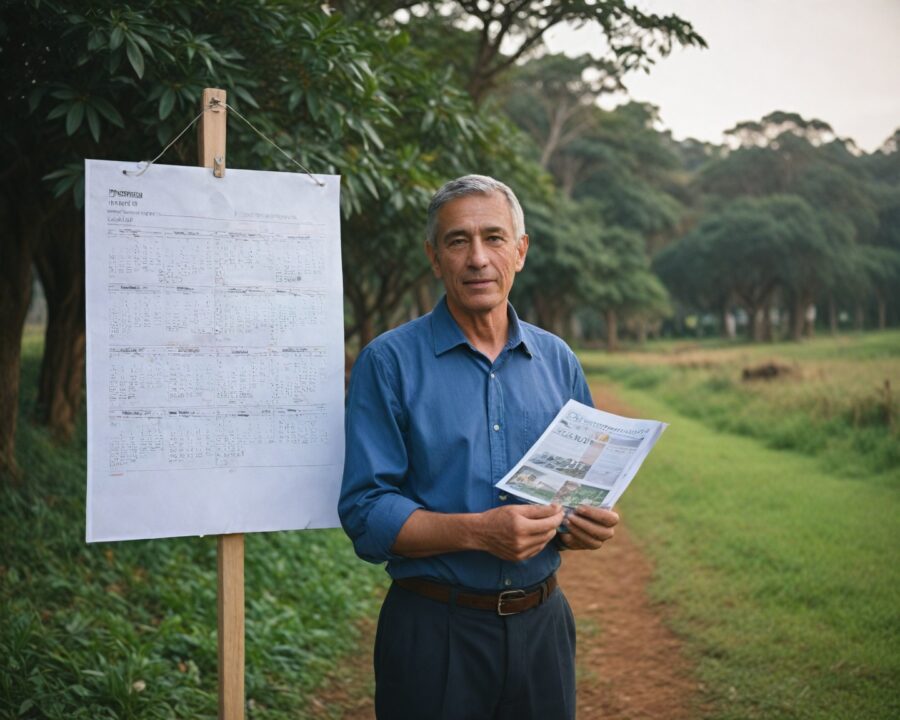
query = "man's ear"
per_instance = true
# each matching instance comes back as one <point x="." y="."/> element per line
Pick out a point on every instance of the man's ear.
<point x="433" y="259"/>
<point x="521" y="252"/>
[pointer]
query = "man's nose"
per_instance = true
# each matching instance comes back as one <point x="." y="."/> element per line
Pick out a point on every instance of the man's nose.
<point x="477" y="255"/>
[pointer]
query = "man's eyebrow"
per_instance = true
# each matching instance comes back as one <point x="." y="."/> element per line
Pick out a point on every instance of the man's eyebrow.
<point x="491" y="230"/>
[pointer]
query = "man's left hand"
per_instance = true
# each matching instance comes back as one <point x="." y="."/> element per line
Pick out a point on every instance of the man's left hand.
<point x="589" y="528"/>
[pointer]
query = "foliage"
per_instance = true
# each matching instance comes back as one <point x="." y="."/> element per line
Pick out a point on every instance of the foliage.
<point x="851" y="195"/>
<point x="505" y="33"/>
<point x="127" y="630"/>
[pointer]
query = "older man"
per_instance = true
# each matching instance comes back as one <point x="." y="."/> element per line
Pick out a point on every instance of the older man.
<point x="438" y="411"/>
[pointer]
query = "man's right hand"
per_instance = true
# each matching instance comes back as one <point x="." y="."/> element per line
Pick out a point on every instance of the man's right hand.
<point x="517" y="532"/>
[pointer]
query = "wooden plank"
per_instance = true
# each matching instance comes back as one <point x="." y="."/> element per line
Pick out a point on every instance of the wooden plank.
<point x="231" y="627"/>
<point x="211" y="152"/>
<point x="211" y="134"/>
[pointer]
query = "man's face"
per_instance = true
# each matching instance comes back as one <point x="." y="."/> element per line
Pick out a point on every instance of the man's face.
<point x="477" y="254"/>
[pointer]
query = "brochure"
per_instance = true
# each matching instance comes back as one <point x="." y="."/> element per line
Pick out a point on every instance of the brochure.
<point x="584" y="457"/>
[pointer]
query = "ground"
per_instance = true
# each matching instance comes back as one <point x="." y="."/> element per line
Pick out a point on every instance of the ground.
<point x="630" y="665"/>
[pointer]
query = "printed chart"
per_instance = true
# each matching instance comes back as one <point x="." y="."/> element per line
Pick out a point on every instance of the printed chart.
<point x="215" y="351"/>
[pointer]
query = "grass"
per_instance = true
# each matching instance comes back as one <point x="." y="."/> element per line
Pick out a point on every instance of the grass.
<point x="779" y="568"/>
<point x="128" y="630"/>
<point x="838" y="399"/>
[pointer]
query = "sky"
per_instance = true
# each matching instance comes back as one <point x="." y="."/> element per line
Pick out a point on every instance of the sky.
<point x="835" y="60"/>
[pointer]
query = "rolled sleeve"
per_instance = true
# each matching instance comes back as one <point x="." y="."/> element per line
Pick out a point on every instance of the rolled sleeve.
<point x="372" y="505"/>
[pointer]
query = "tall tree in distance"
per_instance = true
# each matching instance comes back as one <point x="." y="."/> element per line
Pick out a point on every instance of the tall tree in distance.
<point x="553" y="98"/>
<point x="504" y="33"/>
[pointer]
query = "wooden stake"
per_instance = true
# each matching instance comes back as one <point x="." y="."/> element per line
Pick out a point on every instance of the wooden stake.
<point x="211" y="145"/>
<point x="231" y="627"/>
<point x="211" y="134"/>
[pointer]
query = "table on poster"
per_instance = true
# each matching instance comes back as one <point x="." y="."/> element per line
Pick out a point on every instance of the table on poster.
<point x="215" y="357"/>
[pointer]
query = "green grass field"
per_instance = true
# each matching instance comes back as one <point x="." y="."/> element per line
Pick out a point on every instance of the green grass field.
<point x="837" y="399"/>
<point x="779" y="568"/>
<point x="128" y="630"/>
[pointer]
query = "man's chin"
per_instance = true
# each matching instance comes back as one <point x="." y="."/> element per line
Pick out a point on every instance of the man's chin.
<point x="480" y="304"/>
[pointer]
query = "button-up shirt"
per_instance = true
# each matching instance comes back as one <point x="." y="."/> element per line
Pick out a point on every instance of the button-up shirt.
<point x="432" y="423"/>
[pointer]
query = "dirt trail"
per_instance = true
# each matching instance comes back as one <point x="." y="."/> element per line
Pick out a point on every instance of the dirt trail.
<point x="630" y="665"/>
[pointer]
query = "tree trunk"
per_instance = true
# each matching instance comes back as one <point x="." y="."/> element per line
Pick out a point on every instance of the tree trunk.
<point x="832" y="315"/>
<point x="798" y="319"/>
<point x="641" y="327"/>
<point x="424" y="301"/>
<point x="366" y="331"/>
<point x="728" y="324"/>
<point x="59" y="259"/>
<point x="882" y="311"/>
<point x="15" y="294"/>
<point x="756" y="322"/>
<point x="20" y="222"/>
<point x="612" y="331"/>
<point x="859" y="318"/>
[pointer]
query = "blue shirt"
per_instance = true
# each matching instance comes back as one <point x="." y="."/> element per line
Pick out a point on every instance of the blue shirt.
<point x="432" y="423"/>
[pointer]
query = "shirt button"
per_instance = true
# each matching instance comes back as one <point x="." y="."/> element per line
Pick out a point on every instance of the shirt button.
<point x="503" y="497"/>
<point x="492" y="376"/>
<point x="496" y="428"/>
<point x="507" y="582"/>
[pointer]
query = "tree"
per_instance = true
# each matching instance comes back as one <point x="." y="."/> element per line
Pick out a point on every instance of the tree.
<point x="552" y="98"/>
<point x="484" y="39"/>
<point x="632" y="36"/>
<point x="787" y="154"/>
<point x="106" y="80"/>
<point x="747" y="250"/>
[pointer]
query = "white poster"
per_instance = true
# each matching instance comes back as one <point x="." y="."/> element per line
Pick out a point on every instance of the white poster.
<point x="215" y="351"/>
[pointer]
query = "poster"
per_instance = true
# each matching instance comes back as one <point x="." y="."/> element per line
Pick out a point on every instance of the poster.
<point x="215" y="355"/>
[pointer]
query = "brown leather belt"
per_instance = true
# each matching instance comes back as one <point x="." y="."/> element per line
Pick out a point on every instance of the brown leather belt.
<point x="507" y="602"/>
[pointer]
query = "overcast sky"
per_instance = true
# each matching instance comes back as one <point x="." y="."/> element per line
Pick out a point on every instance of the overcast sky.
<point x="835" y="60"/>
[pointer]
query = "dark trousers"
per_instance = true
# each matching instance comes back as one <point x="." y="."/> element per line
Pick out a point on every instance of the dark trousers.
<point x="438" y="661"/>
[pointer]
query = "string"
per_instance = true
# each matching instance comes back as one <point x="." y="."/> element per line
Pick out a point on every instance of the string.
<point x="271" y="142"/>
<point x="215" y="102"/>
<point x="147" y="164"/>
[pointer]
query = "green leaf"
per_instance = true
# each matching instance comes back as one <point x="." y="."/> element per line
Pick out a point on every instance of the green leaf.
<point x="294" y="99"/>
<point x="142" y="43"/>
<point x="245" y="96"/>
<point x="116" y="37"/>
<point x="370" y="186"/>
<point x="95" y="40"/>
<point x="312" y="103"/>
<point x="93" y="122"/>
<point x="373" y="135"/>
<point x="166" y="103"/>
<point x="135" y="57"/>
<point x="74" y="118"/>
<point x="106" y="109"/>
<point x="35" y="97"/>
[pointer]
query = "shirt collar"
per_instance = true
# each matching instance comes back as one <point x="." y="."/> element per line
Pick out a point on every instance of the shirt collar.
<point x="448" y="335"/>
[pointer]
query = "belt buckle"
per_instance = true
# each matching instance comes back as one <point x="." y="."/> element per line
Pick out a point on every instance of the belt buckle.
<point x="508" y="595"/>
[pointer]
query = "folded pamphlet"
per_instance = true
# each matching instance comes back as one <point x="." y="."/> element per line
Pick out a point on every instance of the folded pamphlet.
<point x="584" y="457"/>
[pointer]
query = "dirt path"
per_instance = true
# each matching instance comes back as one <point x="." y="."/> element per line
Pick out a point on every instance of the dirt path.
<point x="630" y="665"/>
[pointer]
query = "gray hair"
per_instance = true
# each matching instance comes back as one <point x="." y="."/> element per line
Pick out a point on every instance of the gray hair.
<point x="470" y="185"/>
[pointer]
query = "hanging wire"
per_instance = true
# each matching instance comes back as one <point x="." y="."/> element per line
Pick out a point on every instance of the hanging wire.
<point x="213" y="103"/>
<point x="271" y="142"/>
<point x="148" y="163"/>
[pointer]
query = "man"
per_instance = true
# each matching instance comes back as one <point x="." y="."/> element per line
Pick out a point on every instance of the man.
<point x="438" y="411"/>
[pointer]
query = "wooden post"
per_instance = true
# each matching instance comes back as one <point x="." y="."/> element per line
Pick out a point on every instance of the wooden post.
<point x="231" y="627"/>
<point x="211" y="146"/>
